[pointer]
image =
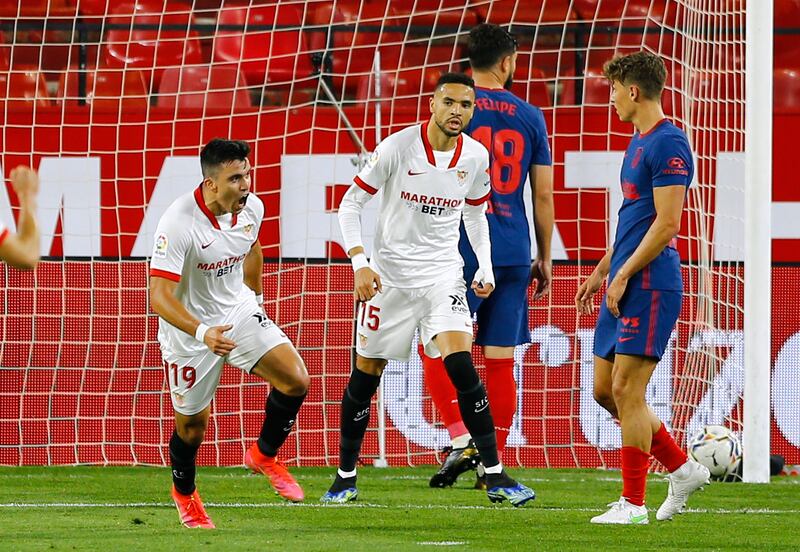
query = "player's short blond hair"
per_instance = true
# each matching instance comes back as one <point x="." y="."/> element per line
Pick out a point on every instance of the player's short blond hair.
<point x="645" y="70"/>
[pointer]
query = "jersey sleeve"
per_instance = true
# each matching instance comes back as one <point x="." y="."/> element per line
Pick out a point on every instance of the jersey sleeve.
<point x="481" y="187"/>
<point x="171" y="245"/>
<point x="671" y="163"/>
<point x="378" y="170"/>
<point x="3" y="232"/>
<point x="541" y="146"/>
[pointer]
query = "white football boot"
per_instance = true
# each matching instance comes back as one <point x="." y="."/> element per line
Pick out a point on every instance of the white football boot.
<point x="681" y="486"/>
<point x="623" y="512"/>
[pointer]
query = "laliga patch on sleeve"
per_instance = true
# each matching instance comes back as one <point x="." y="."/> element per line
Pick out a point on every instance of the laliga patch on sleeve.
<point x="162" y="243"/>
<point x="373" y="159"/>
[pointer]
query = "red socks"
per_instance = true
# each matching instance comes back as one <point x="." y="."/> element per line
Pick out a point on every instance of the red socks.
<point x="666" y="450"/>
<point x="635" y="464"/>
<point x="443" y="394"/>
<point x="502" y="391"/>
<point x="500" y="387"/>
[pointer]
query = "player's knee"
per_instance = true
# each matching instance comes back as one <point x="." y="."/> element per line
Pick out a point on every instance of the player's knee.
<point x="619" y="391"/>
<point x="461" y="371"/>
<point x="626" y="395"/>
<point x="604" y="398"/>
<point x="371" y="366"/>
<point x="192" y="434"/>
<point x="299" y="384"/>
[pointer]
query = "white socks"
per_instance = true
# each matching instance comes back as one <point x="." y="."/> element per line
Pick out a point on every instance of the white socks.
<point x="494" y="469"/>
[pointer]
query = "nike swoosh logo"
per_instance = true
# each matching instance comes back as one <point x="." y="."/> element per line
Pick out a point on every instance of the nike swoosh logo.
<point x="638" y="519"/>
<point x="412" y="173"/>
<point x="207" y="244"/>
<point x="482" y="408"/>
<point x="624" y="339"/>
<point x="359" y="418"/>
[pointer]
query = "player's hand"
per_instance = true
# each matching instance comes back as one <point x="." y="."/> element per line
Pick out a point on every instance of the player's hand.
<point x="25" y="182"/>
<point x="586" y="293"/>
<point x="483" y="283"/>
<point x="367" y="284"/>
<point x="614" y="294"/>
<point x="542" y="274"/>
<point x="218" y="343"/>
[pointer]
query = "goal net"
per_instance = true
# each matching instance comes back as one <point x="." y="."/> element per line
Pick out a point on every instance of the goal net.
<point x="112" y="101"/>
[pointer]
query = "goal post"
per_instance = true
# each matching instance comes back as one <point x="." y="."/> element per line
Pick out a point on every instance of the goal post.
<point x="758" y="243"/>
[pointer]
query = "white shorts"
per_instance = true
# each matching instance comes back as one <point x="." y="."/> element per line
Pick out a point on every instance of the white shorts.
<point x="193" y="380"/>
<point x="385" y="325"/>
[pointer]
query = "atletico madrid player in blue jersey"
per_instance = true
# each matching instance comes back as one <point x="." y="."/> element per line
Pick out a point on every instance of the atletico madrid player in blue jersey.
<point x="643" y="299"/>
<point x="514" y="132"/>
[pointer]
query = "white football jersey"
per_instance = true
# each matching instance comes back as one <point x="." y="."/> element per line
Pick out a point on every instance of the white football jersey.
<point x="3" y="232"/>
<point x="204" y="254"/>
<point x="416" y="241"/>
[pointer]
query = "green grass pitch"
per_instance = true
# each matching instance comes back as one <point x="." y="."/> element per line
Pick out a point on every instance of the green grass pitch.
<point x="94" y="508"/>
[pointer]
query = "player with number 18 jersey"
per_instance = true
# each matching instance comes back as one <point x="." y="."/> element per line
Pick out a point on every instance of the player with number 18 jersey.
<point x="515" y="134"/>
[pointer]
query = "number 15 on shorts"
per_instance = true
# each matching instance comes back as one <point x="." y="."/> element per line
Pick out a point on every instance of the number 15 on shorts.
<point x="369" y="316"/>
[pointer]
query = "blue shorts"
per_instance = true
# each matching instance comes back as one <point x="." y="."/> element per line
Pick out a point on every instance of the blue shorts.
<point x="503" y="316"/>
<point x="644" y="326"/>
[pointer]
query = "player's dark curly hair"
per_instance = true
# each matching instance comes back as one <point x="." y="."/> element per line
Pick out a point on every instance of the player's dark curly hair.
<point x="455" y="78"/>
<point x="488" y="44"/>
<point x="220" y="151"/>
<point x="643" y="69"/>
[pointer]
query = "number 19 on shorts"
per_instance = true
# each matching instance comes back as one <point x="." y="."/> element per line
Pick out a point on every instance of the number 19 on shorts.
<point x="176" y="375"/>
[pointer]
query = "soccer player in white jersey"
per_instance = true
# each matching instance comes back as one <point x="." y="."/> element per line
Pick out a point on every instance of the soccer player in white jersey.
<point x="430" y="175"/>
<point x="205" y="286"/>
<point x="21" y="250"/>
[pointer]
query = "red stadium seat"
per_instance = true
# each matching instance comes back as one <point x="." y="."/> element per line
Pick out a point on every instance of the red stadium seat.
<point x="448" y="55"/>
<point x="107" y="89"/>
<point x="672" y="96"/>
<point x="267" y="55"/>
<point x="596" y="89"/>
<point x="93" y="7"/>
<point x="204" y="88"/>
<point x="152" y="51"/>
<point x="37" y="8"/>
<point x="786" y="90"/>
<point x="5" y="53"/>
<point x="503" y="12"/>
<point x="400" y="91"/>
<point x="352" y="51"/>
<point x="786" y="46"/>
<point x="622" y="11"/>
<point x="103" y="7"/>
<point x="626" y="26"/>
<point x="786" y="14"/>
<point x="716" y="86"/>
<point x="23" y="89"/>
<point x="530" y="84"/>
<point x="438" y="13"/>
<point x="423" y="64"/>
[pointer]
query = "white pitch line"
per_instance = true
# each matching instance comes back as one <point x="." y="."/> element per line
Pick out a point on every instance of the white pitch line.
<point x="44" y="505"/>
